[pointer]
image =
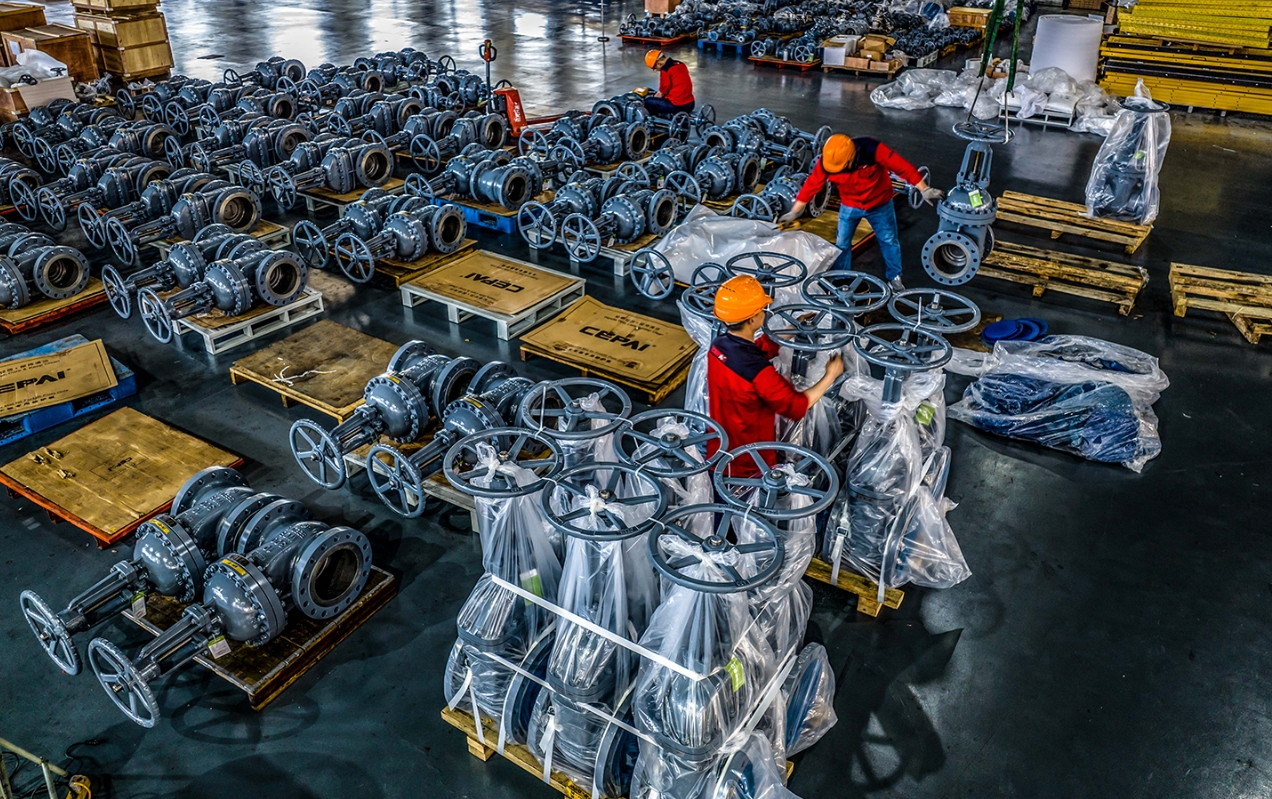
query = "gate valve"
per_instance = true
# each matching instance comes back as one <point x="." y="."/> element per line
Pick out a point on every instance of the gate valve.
<point x="723" y="174"/>
<point x="143" y="138"/>
<point x="218" y="203"/>
<point x="773" y="270"/>
<point x="156" y="199"/>
<point x="406" y="236"/>
<point x="34" y="266"/>
<point x="184" y="266"/>
<point x="537" y="221"/>
<point x="576" y="411"/>
<point x="92" y="139"/>
<point x="119" y="184"/>
<point x="623" y="219"/>
<point x="363" y="218"/>
<point x="343" y="168"/>
<point x="312" y="94"/>
<point x="953" y="255"/>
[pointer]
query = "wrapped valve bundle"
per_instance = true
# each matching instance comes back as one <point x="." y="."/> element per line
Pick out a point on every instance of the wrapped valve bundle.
<point x="1123" y="182"/>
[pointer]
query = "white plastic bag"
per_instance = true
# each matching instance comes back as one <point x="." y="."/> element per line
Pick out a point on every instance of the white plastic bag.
<point x="1123" y="182"/>
<point x="703" y="332"/>
<point x="914" y="89"/>
<point x="41" y="65"/>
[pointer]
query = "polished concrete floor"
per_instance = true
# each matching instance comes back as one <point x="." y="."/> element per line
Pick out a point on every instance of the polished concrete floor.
<point x="1112" y="641"/>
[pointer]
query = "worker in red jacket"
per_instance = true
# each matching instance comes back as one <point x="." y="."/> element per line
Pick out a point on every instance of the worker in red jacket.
<point x="860" y="169"/>
<point x="675" y="88"/>
<point x="745" y="393"/>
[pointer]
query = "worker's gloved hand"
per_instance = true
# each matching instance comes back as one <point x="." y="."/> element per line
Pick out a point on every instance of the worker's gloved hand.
<point x="788" y="217"/>
<point x="835" y="366"/>
<point x="932" y="194"/>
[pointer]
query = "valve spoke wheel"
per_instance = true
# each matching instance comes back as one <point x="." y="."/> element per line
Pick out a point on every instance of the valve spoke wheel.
<point x="339" y="125"/>
<point x="567" y="507"/>
<point x="318" y="454"/>
<point x="773" y="270"/>
<point x="652" y="274"/>
<point x="172" y="152"/>
<point x="708" y="274"/>
<point x="674" y="455"/>
<point x="984" y="130"/>
<point x="762" y="558"/>
<point x="581" y="237"/>
<point x="311" y="244"/>
<point x="66" y="158"/>
<point x="809" y="328"/>
<point x="537" y="225"/>
<point x="687" y="190"/>
<point x="465" y="464"/>
<point x="116" y="291"/>
<point x="154" y="315"/>
<point x="396" y="481"/>
<point x="51" y="209"/>
<point x="24" y="138"/>
<point x="556" y="408"/>
<point x="45" y="156"/>
<point x="425" y="154"/>
<point x="120" y="241"/>
<point x="90" y="222"/>
<point x="844" y="290"/>
<point x="904" y="349"/>
<point x="934" y="310"/>
<point x="231" y="78"/>
<point x="286" y="85"/>
<point x="630" y="170"/>
<point x="679" y="126"/>
<point x="445" y="65"/>
<point x="768" y="492"/>
<point x="126" y="103"/>
<point x="252" y="178"/>
<point x="752" y="206"/>
<point x="50" y="631"/>
<point x="24" y="200"/>
<point x="533" y="142"/>
<point x="355" y="258"/>
<point x="152" y="107"/>
<point x="208" y="116"/>
<point x="177" y="118"/>
<point x="915" y="197"/>
<point x="802" y="53"/>
<point x="282" y="188"/>
<point x="126" y="688"/>
<point x="417" y="186"/>
<point x="820" y="137"/>
<point x="374" y="137"/>
<point x="700" y="300"/>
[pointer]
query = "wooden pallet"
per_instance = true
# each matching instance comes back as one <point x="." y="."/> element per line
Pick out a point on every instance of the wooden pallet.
<point x="1092" y="278"/>
<point x="655" y="41"/>
<point x="1246" y="299"/>
<point x="400" y="272"/>
<point x="770" y="61"/>
<point x="436" y="487"/>
<point x="867" y="590"/>
<point x="325" y="367"/>
<point x="264" y="672"/>
<point x="1060" y="217"/>
<point x="889" y="73"/>
<point x="46" y="312"/>
<point x="325" y="197"/>
<point x="271" y="234"/>
<point x="513" y="294"/>
<point x="654" y="394"/>
<point x="620" y="255"/>
<point x="220" y="332"/>
<point x="111" y="475"/>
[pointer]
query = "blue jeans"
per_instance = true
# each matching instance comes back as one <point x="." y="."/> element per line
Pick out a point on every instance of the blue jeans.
<point x="883" y="220"/>
<point x="662" y="107"/>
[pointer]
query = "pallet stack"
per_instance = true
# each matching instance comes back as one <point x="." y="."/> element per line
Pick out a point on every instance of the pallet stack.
<point x="129" y="37"/>
<point x="1207" y="53"/>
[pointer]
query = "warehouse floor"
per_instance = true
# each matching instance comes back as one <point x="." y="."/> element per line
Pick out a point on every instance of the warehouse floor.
<point x="1112" y="640"/>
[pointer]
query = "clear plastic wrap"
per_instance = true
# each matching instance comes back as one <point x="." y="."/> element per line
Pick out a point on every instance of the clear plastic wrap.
<point x="595" y="753"/>
<point x="920" y="548"/>
<point x="694" y="489"/>
<point x="703" y="332"/>
<point x="819" y="429"/>
<point x="914" y="89"/>
<point x="1123" y="182"/>
<point x="809" y="696"/>
<point x="783" y="618"/>
<point x="752" y="772"/>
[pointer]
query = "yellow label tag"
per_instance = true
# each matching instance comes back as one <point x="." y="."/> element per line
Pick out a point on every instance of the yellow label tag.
<point x="234" y="566"/>
<point x="734" y="667"/>
<point x="977" y="200"/>
<point x="163" y="528"/>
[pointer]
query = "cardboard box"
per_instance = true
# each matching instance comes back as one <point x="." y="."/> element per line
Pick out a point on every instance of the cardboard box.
<point x="44" y="380"/>
<point x="874" y="43"/>
<point x="661" y="6"/>
<point x="146" y="59"/>
<point x="837" y="48"/>
<point x="17" y="102"/>
<point x="128" y="30"/>
<point x="15" y="16"/>
<point x="69" y="45"/>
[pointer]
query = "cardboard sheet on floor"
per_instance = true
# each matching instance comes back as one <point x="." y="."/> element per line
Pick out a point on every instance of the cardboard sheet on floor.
<point x="110" y="475"/>
<point x="485" y="280"/>
<point x="54" y="378"/>
<point x="591" y="334"/>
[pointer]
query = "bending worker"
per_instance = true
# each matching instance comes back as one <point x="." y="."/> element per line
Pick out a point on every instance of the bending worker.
<point x="675" y="89"/>
<point x="859" y="169"/>
<point x="745" y="392"/>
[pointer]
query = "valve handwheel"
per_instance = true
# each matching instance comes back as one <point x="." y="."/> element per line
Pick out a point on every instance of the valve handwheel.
<point x="152" y="107"/>
<point x="773" y="270"/>
<point x="396" y="481"/>
<point x="52" y="633"/>
<point x="763" y="557"/>
<point x="674" y="451"/>
<point x="652" y="274"/>
<point x="126" y="102"/>
<point x="700" y="300"/>
<point x="318" y="454"/>
<point x="90" y="222"/>
<point x="232" y="78"/>
<point x="809" y="328"/>
<point x="120" y="241"/>
<point x="934" y="310"/>
<point x="425" y="153"/>
<point x="125" y="687"/>
<point x="847" y="291"/>
<point x="556" y="408"/>
<point x="51" y="209"/>
<point x="630" y="170"/>
<point x="517" y="446"/>
<point x="24" y="138"/>
<point x="172" y="150"/>
<point x="116" y="291"/>
<point x="766" y="492"/>
<point x="533" y="142"/>
<point x="537" y="225"/>
<point x="708" y="274"/>
<point x="417" y="186"/>
<point x="285" y="85"/>
<point x="177" y="118"/>
<point x="24" y="200"/>
<point x="251" y="177"/>
<point x="339" y="125"/>
<point x="902" y="348"/>
<point x="642" y="492"/>
<point x="154" y="315"/>
<point x="311" y="244"/>
<point x="45" y="157"/>
<point x="355" y="258"/>
<point x="915" y="196"/>
<point x="752" y="206"/>
<point x="282" y="187"/>
<point x="581" y="237"/>
<point x="687" y="189"/>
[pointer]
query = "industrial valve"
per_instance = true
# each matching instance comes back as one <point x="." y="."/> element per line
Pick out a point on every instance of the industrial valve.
<point x="398" y="404"/>
<point x="354" y="104"/>
<point x="18" y="185"/>
<point x="773" y="270"/>
<point x="211" y="150"/>
<point x="622" y="219"/>
<point x="677" y="156"/>
<point x="778" y="197"/>
<point x="216" y="203"/>
<point x="484" y="175"/>
<point x="305" y="567"/>
<point x="157" y="199"/>
<point x="359" y="80"/>
<point x="263" y="146"/>
<point x="953" y="255"/>
<point x="779" y="129"/>
<point x="724" y="174"/>
<point x="363" y="218"/>
<point x="578" y="412"/>
<point x="54" y="155"/>
<point x="583" y="193"/>
<point x="345" y="165"/>
<point x="33" y="265"/>
<point x="143" y="138"/>
<point x="493" y="397"/>
<point x="610" y="142"/>
<point x="539" y="141"/>
<point x="58" y="122"/>
<point x="231" y="285"/>
<point x="169" y="557"/>
<point x="429" y="152"/>
<point x="120" y="183"/>
<point x="182" y="268"/>
<point x="385" y="117"/>
<point x="682" y="125"/>
<point x="405" y="236"/>
<point x="268" y="73"/>
<point x="313" y="93"/>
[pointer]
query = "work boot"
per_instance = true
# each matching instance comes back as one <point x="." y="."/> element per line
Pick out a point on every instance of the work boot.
<point x="895" y="284"/>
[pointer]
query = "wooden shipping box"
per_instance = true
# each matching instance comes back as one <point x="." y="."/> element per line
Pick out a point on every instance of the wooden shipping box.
<point x="115" y="6"/>
<point x="14" y="16"/>
<point x="69" y="45"/>
<point x="17" y="102"/>
<point x="124" y="31"/>
<point x="143" y="60"/>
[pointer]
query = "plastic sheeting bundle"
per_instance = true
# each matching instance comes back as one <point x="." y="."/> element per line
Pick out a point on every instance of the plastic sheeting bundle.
<point x="1123" y="182"/>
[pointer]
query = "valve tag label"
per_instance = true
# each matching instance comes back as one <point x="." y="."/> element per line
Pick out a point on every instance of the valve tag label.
<point x="734" y="667"/>
<point x="532" y="582"/>
<point x="235" y="567"/>
<point x="219" y="647"/>
<point x="139" y="605"/>
<point x="977" y="200"/>
<point x="924" y="414"/>
<point x="163" y="528"/>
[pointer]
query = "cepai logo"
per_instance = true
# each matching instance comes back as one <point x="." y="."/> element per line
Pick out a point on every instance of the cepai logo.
<point x="494" y="282"/>
<point x="8" y="388"/>
<point x="618" y="338"/>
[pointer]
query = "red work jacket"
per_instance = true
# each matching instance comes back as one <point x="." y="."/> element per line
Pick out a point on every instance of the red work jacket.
<point x="746" y="394"/>
<point x="674" y="83"/>
<point x="865" y="183"/>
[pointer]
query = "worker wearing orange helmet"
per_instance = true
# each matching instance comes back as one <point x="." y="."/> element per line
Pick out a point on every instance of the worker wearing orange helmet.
<point x="675" y="87"/>
<point x="745" y="393"/>
<point x="859" y="167"/>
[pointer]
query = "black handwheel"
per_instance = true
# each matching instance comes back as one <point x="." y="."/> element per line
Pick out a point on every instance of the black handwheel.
<point x="809" y="328"/>
<point x="708" y="274"/>
<point x="934" y="310"/>
<point x="24" y="200"/>
<point x="90" y="222"/>
<point x="120" y="241"/>
<point x="282" y="187"/>
<point x="675" y="548"/>
<point x="311" y="244"/>
<point x="51" y="209"/>
<point x="796" y="471"/>
<point x="773" y="270"/>
<point x="472" y="463"/>
<point x="581" y="237"/>
<point x="674" y="441"/>
<point x="752" y="206"/>
<point x="417" y="186"/>
<point x="45" y="156"/>
<point x="117" y="291"/>
<point x="396" y="481"/>
<point x="425" y="154"/>
<point x="652" y="274"/>
<point x="355" y="258"/>
<point x="318" y="454"/>
<point x="844" y="290"/>
<point x="902" y="348"/>
<point x="537" y="225"/>
<point x="591" y="492"/>
<point x="154" y="315"/>
<point x="558" y="408"/>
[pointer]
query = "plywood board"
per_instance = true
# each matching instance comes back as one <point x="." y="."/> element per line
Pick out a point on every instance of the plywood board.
<point x="53" y="378"/>
<point x="494" y="283"/>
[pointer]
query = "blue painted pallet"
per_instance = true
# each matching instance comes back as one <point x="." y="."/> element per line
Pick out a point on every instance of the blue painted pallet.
<point x="22" y="425"/>
<point x="487" y="215"/>
<point x="738" y="48"/>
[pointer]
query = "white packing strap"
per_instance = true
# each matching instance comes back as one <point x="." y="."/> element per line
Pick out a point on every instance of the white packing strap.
<point x="771" y="691"/>
<point x="549" y="740"/>
<point x="836" y="553"/>
<point x="463" y="688"/>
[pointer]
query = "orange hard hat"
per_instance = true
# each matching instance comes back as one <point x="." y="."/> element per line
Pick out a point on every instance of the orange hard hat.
<point x="837" y="153"/>
<point x="652" y="57"/>
<point x="739" y="298"/>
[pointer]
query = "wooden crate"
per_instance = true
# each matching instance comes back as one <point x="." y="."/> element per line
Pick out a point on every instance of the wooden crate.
<point x="15" y="16"/>
<point x="46" y="311"/>
<point x="963" y="17"/>
<point x="67" y="44"/>
<point x="114" y="6"/>
<point x="325" y="367"/>
<point x="1245" y="298"/>
<point x="263" y="672"/>
<point x="125" y="31"/>
<point x="147" y="59"/>
<point x="867" y="590"/>
<point x="17" y="102"/>
<point x="1080" y="276"/>
<point x="1059" y="217"/>
<point x="111" y="475"/>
